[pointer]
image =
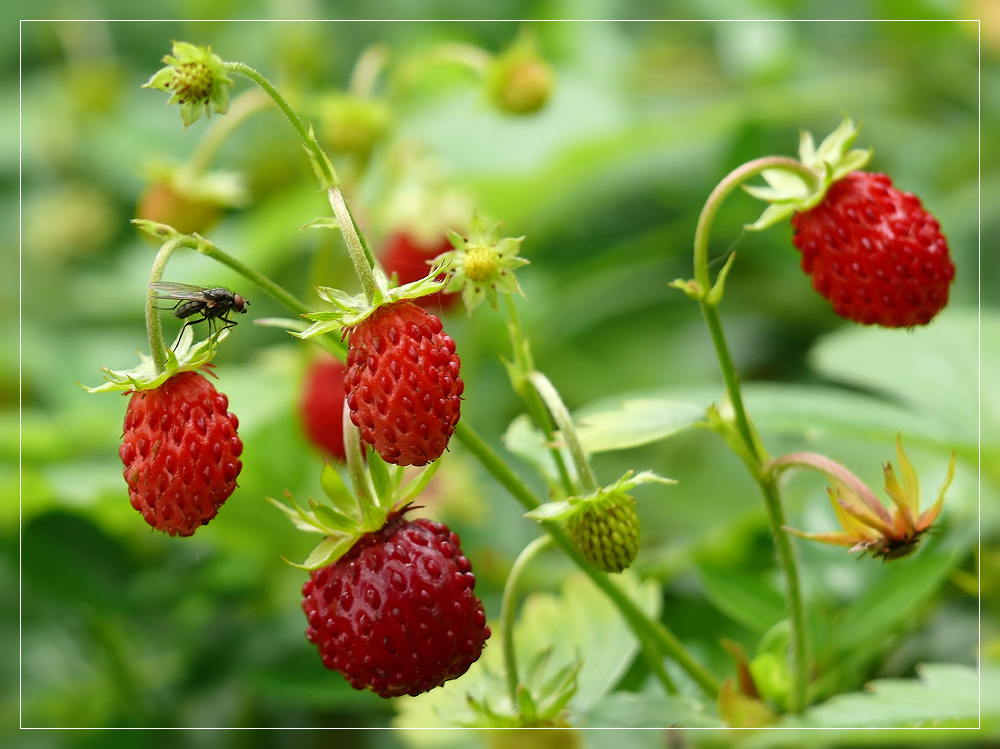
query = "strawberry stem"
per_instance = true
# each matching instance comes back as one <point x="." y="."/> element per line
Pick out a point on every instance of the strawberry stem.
<point x="768" y="486"/>
<point x="357" y="248"/>
<point x="521" y="367"/>
<point x="508" y="611"/>
<point x="321" y="163"/>
<point x="655" y="638"/>
<point x="564" y="421"/>
<point x="154" y="329"/>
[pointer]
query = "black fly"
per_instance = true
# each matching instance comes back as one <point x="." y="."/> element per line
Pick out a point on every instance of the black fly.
<point x="211" y="304"/>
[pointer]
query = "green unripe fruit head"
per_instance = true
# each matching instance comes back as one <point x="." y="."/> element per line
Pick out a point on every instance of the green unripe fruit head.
<point x="479" y="263"/>
<point x="606" y="531"/>
<point x="520" y="82"/>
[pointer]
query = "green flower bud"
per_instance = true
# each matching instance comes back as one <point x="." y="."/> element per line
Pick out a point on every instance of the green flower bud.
<point x="353" y="124"/>
<point x="519" y="81"/>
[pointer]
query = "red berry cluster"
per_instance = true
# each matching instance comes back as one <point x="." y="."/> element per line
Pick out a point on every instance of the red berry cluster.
<point x="875" y="253"/>
<point x="403" y="386"/>
<point x="397" y="614"/>
<point x="181" y="453"/>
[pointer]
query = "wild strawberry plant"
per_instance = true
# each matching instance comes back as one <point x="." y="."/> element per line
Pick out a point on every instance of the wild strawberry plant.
<point x="390" y="598"/>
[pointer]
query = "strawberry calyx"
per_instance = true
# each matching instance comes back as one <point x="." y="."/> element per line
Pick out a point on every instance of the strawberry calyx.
<point x="196" y="79"/>
<point x="789" y="192"/>
<point x="603" y="525"/>
<point x="186" y="356"/>
<point x="377" y="498"/>
<point x="482" y="264"/>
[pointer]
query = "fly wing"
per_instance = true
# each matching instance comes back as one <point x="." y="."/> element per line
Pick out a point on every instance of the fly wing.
<point x="167" y="290"/>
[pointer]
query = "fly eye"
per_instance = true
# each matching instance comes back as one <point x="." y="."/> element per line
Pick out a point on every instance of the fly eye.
<point x="240" y="303"/>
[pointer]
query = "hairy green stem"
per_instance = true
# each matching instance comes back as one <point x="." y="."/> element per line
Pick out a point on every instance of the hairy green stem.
<point x="320" y="161"/>
<point x="564" y="421"/>
<point x="361" y="257"/>
<point x="656" y="639"/>
<point x="154" y="329"/>
<point x="508" y="611"/>
<point x="539" y="413"/>
<point x="768" y="487"/>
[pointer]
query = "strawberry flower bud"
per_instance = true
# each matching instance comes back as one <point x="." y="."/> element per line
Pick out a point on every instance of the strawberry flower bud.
<point x="519" y="81"/>
<point x="197" y="80"/>
<point x="867" y="524"/>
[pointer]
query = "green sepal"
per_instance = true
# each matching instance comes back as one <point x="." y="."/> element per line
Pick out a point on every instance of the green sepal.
<point x="301" y="519"/>
<point x="690" y="287"/>
<point x="336" y="490"/>
<point x="187" y="356"/>
<point x="383" y="483"/>
<point x="333" y="519"/>
<point x="352" y="309"/>
<point x="560" y="510"/>
<point x="715" y="295"/>
<point x="323" y="222"/>
<point x="789" y="192"/>
<point x="412" y="490"/>
<point x="328" y="551"/>
<point x="190" y="70"/>
<point x="155" y="229"/>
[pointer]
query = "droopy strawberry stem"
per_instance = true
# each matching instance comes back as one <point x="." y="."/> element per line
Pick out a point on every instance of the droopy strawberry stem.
<point x="508" y="611"/>
<point x="708" y="298"/>
<point x="655" y="639"/>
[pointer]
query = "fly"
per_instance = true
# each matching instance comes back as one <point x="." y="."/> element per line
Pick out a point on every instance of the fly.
<point x="195" y="304"/>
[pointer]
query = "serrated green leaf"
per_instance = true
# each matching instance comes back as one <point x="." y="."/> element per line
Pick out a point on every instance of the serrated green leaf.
<point x="636" y="422"/>
<point x="631" y="710"/>
<point x="944" y="695"/>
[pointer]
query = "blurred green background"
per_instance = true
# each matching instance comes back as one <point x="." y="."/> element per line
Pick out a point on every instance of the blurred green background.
<point x="123" y="627"/>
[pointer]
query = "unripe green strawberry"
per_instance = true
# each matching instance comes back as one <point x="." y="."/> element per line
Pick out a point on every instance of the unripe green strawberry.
<point x="605" y="529"/>
<point x="181" y="453"/>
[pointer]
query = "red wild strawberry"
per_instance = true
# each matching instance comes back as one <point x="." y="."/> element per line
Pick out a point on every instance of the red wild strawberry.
<point x="397" y="613"/>
<point x="322" y="405"/>
<point x="875" y="253"/>
<point x="407" y="257"/>
<point x="181" y="453"/>
<point x="403" y="385"/>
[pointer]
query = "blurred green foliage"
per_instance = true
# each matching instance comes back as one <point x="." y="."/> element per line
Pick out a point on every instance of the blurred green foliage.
<point x="123" y="627"/>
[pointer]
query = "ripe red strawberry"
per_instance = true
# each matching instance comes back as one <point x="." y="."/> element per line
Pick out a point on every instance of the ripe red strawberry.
<point x="874" y="253"/>
<point x="181" y="453"/>
<point x="397" y="613"/>
<point x="403" y="385"/>
<point x="322" y="405"/>
<point x="404" y="255"/>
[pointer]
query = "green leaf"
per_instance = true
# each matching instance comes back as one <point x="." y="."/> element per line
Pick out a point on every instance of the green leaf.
<point x="553" y="632"/>
<point x="300" y="519"/>
<point x="631" y="710"/>
<point x="945" y="695"/>
<point x="934" y="370"/>
<point x="636" y="422"/>
<point x="901" y="588"/>
<point x="746" y="598"/>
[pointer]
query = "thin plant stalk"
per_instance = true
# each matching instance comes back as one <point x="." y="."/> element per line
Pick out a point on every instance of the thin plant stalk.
<point x="508" y="611"/>
<point x="769" y="490"/>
